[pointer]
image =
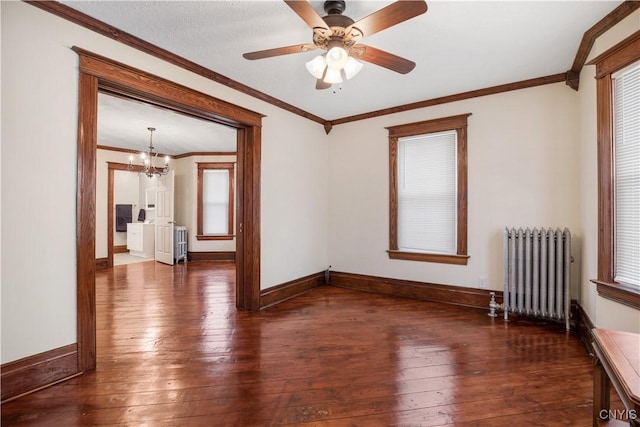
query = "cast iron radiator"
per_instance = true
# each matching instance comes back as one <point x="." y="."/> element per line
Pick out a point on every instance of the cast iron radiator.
<point x="537" y="266"/>
<point x="180" y="243"/>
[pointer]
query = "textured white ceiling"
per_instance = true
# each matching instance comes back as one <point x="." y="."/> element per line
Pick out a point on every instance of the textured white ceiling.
<point x="457" y="45"/>
<point x="123" y="123"/>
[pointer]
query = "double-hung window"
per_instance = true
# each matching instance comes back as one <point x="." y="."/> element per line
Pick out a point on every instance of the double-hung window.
<point x="618" y="97"/>
<point x="428" y="191"/>
<point x="215" y="201"/>
<point x="626" y="137"/>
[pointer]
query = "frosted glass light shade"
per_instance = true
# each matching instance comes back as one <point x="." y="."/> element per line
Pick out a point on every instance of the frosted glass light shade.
<point x="316" y="66"/>
<point x="337" y="57"/>
<point x="333" y="76"/>
<point x="352" y="67"/>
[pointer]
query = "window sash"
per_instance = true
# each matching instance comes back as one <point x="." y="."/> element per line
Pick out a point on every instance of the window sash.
<point x="427" y="193"/>
<point x="626" y="121"/>
<point x="215" y="209"/>
<point x="215" y="201"/>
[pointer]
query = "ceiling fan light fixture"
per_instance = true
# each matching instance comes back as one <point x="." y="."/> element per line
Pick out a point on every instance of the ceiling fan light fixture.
<point x="333" y="76"/>
<point x="337" y="57"/>
<point x="352" y="67"/>
<point x="316" y="66"/>
<point x="338" y="34"/>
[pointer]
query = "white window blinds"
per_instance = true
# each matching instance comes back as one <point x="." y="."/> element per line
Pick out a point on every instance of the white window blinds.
<point x="626" y="115"/>
<point x="427" y="193"/>
<point x="215" y="201"/>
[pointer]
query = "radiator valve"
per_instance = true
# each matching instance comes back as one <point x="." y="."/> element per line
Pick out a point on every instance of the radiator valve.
<point x="493" y="305"/>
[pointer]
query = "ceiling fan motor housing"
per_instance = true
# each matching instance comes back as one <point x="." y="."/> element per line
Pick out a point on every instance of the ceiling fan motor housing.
<point x="337" y="24"/>
<point x="334" y="7"/>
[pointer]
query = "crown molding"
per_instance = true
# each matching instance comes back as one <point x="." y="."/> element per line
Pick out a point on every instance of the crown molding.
<point x="538" y="81"/>
<point x="86" y="21"/>
<point x="571" y="77"/>
<point x="590" y="36"/>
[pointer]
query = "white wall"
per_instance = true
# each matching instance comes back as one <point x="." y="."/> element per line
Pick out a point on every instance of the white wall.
<point x="184" y="194"/>
<point x="39" y="106"/>
<point x="294" y="198"/>
<point x="603" y="312"/>
<point x="522" y="171"/>
<point x="39" y="123"/>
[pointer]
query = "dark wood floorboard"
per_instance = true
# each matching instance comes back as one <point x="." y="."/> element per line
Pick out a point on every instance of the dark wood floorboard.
<point x="174" y="351"/>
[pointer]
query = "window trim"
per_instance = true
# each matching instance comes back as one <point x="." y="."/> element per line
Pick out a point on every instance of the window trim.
<point x="614" y="59"/>
<point x="209" y="166"/>
<point x="455" y="123"/>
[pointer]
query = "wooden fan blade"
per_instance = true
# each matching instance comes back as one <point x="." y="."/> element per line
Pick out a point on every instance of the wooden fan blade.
<point x="321" y="84"/>
<point x="298" y="48"/>
<point x="382" y="58"/>
<point x="307" y="13"/>
<point x="389" y="16"/>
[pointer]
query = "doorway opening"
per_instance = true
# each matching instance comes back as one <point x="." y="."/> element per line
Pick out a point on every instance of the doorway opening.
<point x="127" y="214"/>
<point x="130" y="237"/>
<point x="98" y="73"/>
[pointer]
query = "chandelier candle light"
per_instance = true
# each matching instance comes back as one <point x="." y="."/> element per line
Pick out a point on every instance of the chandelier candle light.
<point x="148" y="160"/>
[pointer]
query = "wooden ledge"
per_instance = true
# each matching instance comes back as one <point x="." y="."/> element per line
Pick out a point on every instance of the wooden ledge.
<point x="623" y="294"/>
<point x="215" y="237"/>
<point x="429" y="257"/>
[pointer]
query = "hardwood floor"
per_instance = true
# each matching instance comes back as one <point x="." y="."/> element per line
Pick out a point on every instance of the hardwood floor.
<point x="174" y="351"/>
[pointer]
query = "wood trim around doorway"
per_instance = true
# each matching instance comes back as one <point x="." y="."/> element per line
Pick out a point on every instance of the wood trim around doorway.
<point x="98" y="73"/>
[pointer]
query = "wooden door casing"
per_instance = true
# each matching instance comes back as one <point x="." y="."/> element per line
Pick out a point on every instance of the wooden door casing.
<point x="98" y="73"/>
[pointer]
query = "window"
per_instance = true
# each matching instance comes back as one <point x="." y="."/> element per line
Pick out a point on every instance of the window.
<point x="618" y="92"/>
<point x="626" y="117"/>
<point x="428" y="191"/>
<point x="215" y="201"/>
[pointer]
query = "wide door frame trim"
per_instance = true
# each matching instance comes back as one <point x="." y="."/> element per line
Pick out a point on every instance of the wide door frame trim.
<point x="98" y="73"/>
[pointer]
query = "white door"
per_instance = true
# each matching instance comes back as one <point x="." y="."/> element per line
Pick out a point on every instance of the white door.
<point x="164" y="219"/>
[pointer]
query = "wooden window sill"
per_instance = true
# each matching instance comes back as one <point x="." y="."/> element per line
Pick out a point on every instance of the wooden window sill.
<point x="623" y="294"/>
<point x="426" y="257"/>
<point x="216" y="237"/>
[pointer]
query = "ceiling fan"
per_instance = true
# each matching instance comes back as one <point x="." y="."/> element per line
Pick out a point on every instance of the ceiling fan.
<point x="338" y="35"/>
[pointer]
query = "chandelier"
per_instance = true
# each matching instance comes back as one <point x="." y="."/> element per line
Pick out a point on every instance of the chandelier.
<point x="148" y="158"/>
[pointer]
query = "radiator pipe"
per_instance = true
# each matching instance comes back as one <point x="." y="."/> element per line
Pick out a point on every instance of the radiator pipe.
<point x="494" y="307"/>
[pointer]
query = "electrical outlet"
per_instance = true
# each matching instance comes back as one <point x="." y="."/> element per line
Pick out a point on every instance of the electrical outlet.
<point x="482" y="283"/>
